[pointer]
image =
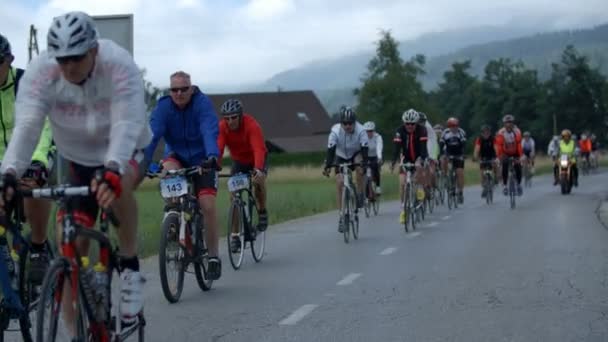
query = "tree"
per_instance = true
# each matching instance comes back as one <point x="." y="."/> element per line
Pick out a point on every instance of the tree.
<point x="151" y="93"/>
<point x="576" y="93"/>
<point x="456" y="94"/>
<point x="390" y="86"/>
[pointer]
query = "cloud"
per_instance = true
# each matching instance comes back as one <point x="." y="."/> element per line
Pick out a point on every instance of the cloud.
<point x="240" y="41"/>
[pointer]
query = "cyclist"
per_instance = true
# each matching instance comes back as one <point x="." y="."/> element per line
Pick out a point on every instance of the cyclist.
<point x="553" y="148"/>
<point x="484" y="151"/>
<point x="375" y="153"/>
<point x="595" y="147"/>
<point x="242" y="134"/>
<point x="529" y="148"/>
<point x="347" y="143"/>
<point x="586" y="146"/>
<point x="508" y="144"/>
<point x="432" y="147"/>
<point x="410" y="144"/>
<point x="37" y="211"/>
<point x="188" y="123"/>
<point x="567" y="146"/>
<point x="92" y="91"/>
<point x="453" y="141"/>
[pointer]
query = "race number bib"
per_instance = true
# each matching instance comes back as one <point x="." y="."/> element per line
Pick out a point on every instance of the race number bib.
<point x="173" y="187"/>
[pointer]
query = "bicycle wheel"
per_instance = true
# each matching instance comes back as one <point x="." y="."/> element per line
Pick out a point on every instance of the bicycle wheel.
<point x="412" y="214"/>
<point x="512" y="192"/>
<point x="236" y="219"/>
<point x="49" y="325"/>
<point x="367" y="205"/>
<point x="488" y="188"/>
<point x="201" y="266"/>
<point x="354" y="221"/>
<point x="26" y="294"/>
<point x="406" y="207"/>
<point x="347" y="212"/>
<point x="171" y="253"/>
<point x="258" y="245"/>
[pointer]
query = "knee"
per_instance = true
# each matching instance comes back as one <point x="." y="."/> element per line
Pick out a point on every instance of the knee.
<point x="207" y="204"/>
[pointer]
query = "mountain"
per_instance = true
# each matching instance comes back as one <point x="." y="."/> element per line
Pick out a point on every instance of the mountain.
<point x="346" y="71"/>
<point x="333" y="80"/>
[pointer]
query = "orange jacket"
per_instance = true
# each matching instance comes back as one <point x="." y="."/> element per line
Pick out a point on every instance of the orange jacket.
<point x="508" y="144"/>
<point x="246" y="144"/>
<point x="585" y="145"/>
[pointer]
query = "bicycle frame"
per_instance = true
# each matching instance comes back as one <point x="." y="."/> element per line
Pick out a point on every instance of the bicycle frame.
<point x="72" y="258"/>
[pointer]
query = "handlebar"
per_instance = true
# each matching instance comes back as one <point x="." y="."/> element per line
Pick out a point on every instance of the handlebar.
<point x="187" y="171"/>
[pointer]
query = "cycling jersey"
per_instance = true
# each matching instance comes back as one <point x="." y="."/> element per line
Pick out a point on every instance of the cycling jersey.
<point x="190" y="133"/>
<point x="528" y="145"/>
<point x="246" y="144"/>
<point x="7" y="119"/>
<point x="509" y="143"/>
<point x="585" y="145"/>
<point x="375" y="146"/>
<point x="410" y="146"/>
<point x="453" y="142"/>
<point x="102" y="121"/>
<point x="553" y="148"/>
<point x="486" y="147"/>
<point x="347" y="144"/>
<point x="431" y="144"/>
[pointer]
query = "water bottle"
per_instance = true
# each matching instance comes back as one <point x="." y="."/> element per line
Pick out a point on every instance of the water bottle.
<point x="5" y="254"/>
<point x="88" y="278"/>
<point x="101" y="292"/>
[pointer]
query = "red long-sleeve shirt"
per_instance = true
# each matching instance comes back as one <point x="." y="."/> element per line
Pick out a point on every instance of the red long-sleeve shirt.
<point x="246" y="144"/>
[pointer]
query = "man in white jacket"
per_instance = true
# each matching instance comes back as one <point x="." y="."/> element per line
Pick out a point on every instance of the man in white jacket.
<point x="92" y="92"/>
<point x="375" y="146"/>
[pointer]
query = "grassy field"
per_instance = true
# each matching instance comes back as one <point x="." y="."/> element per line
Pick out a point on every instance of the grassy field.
<point x="293" y="192"/>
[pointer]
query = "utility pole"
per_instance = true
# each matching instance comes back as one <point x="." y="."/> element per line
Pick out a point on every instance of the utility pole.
<point x="33" y="43"/>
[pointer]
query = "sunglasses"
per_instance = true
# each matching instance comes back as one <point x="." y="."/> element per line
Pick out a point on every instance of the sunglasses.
<point x="231" y="117"/>
<point x="180" y="89"/>
<point x="347" y="123"/>
<point x="67" y="59"/>
<point x="411" y="124"/>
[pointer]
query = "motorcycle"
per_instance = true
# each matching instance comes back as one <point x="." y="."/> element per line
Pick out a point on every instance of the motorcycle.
<point x="565" y="174"/>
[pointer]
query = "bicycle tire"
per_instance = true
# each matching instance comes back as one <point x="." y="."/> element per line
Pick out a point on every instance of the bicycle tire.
<point x="346" y="209"/>
<point x="54" y="278"/>
<point x="412" y="208"/>
<point x="25" y="293"/>
<point x="354" y="222"/>
<point x="236" y="210"/>
<point x="258" y="245"/>
<point x="170" y="226"/>
<point x="367" y="206"/>
<point x="201" y="266"/>
<point x="406" y="204"/>
<point x="512" y="191"/>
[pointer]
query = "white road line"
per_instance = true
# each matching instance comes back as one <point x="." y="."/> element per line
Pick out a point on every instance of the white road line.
<point x="445" y="218"/>
<point x="432" y="224"/>
<point x="348" y="279"/>
<point x="297" y="315"/>
<point x="389" y="250"/>
<point x="413" y="235"/>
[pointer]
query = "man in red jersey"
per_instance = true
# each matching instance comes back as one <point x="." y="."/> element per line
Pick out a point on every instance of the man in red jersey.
<point x="243" y="136"/>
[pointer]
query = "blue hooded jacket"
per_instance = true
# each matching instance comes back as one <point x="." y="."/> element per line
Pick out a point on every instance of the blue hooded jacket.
<point x="190" y="133"/>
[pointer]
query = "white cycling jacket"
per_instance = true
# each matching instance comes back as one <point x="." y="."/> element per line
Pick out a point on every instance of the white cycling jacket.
<point x="432" y="144"/>
<point x="375" y="146"/>
<point x="347" y="145"/>
<point x="100" y="122"/>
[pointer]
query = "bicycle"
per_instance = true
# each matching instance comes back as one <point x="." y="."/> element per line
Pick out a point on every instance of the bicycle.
<point x="511" y="182"/>
<point x="372" y="203"/>
<point x="91" y="292"/>
<point x="241" y="212"/>
<point x="182" y="239"/>
<point x="411" y="205"/>
<point x="488" y="180"/>
<point x="349" y="215"/>
<point x="527" y="173"/>
<point x="585" y="166"/>
<point x="440" y="186"/>
<point x="451" y="183"/>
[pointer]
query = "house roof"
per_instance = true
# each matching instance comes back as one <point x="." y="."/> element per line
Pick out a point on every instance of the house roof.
<point x="282" y="114"/>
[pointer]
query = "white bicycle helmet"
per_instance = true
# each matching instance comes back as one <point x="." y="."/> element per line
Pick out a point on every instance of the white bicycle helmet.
<point x="369" y="126"/>
<point x="71" y="34"/>
<point x="410" y="116"/>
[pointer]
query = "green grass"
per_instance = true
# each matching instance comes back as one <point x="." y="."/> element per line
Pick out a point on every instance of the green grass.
<point x="292" y="193"/>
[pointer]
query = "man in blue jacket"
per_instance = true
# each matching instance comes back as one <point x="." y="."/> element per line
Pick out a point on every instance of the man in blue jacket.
<point x="187" y="121"/>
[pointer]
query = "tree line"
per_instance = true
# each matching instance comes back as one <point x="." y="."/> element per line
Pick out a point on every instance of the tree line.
<point x="574" y="97"/>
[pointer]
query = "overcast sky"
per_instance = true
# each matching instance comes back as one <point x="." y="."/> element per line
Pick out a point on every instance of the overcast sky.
<point x="243" y="41"/>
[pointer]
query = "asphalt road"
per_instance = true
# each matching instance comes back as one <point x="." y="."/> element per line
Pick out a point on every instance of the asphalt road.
<point x="479" y="273"/>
